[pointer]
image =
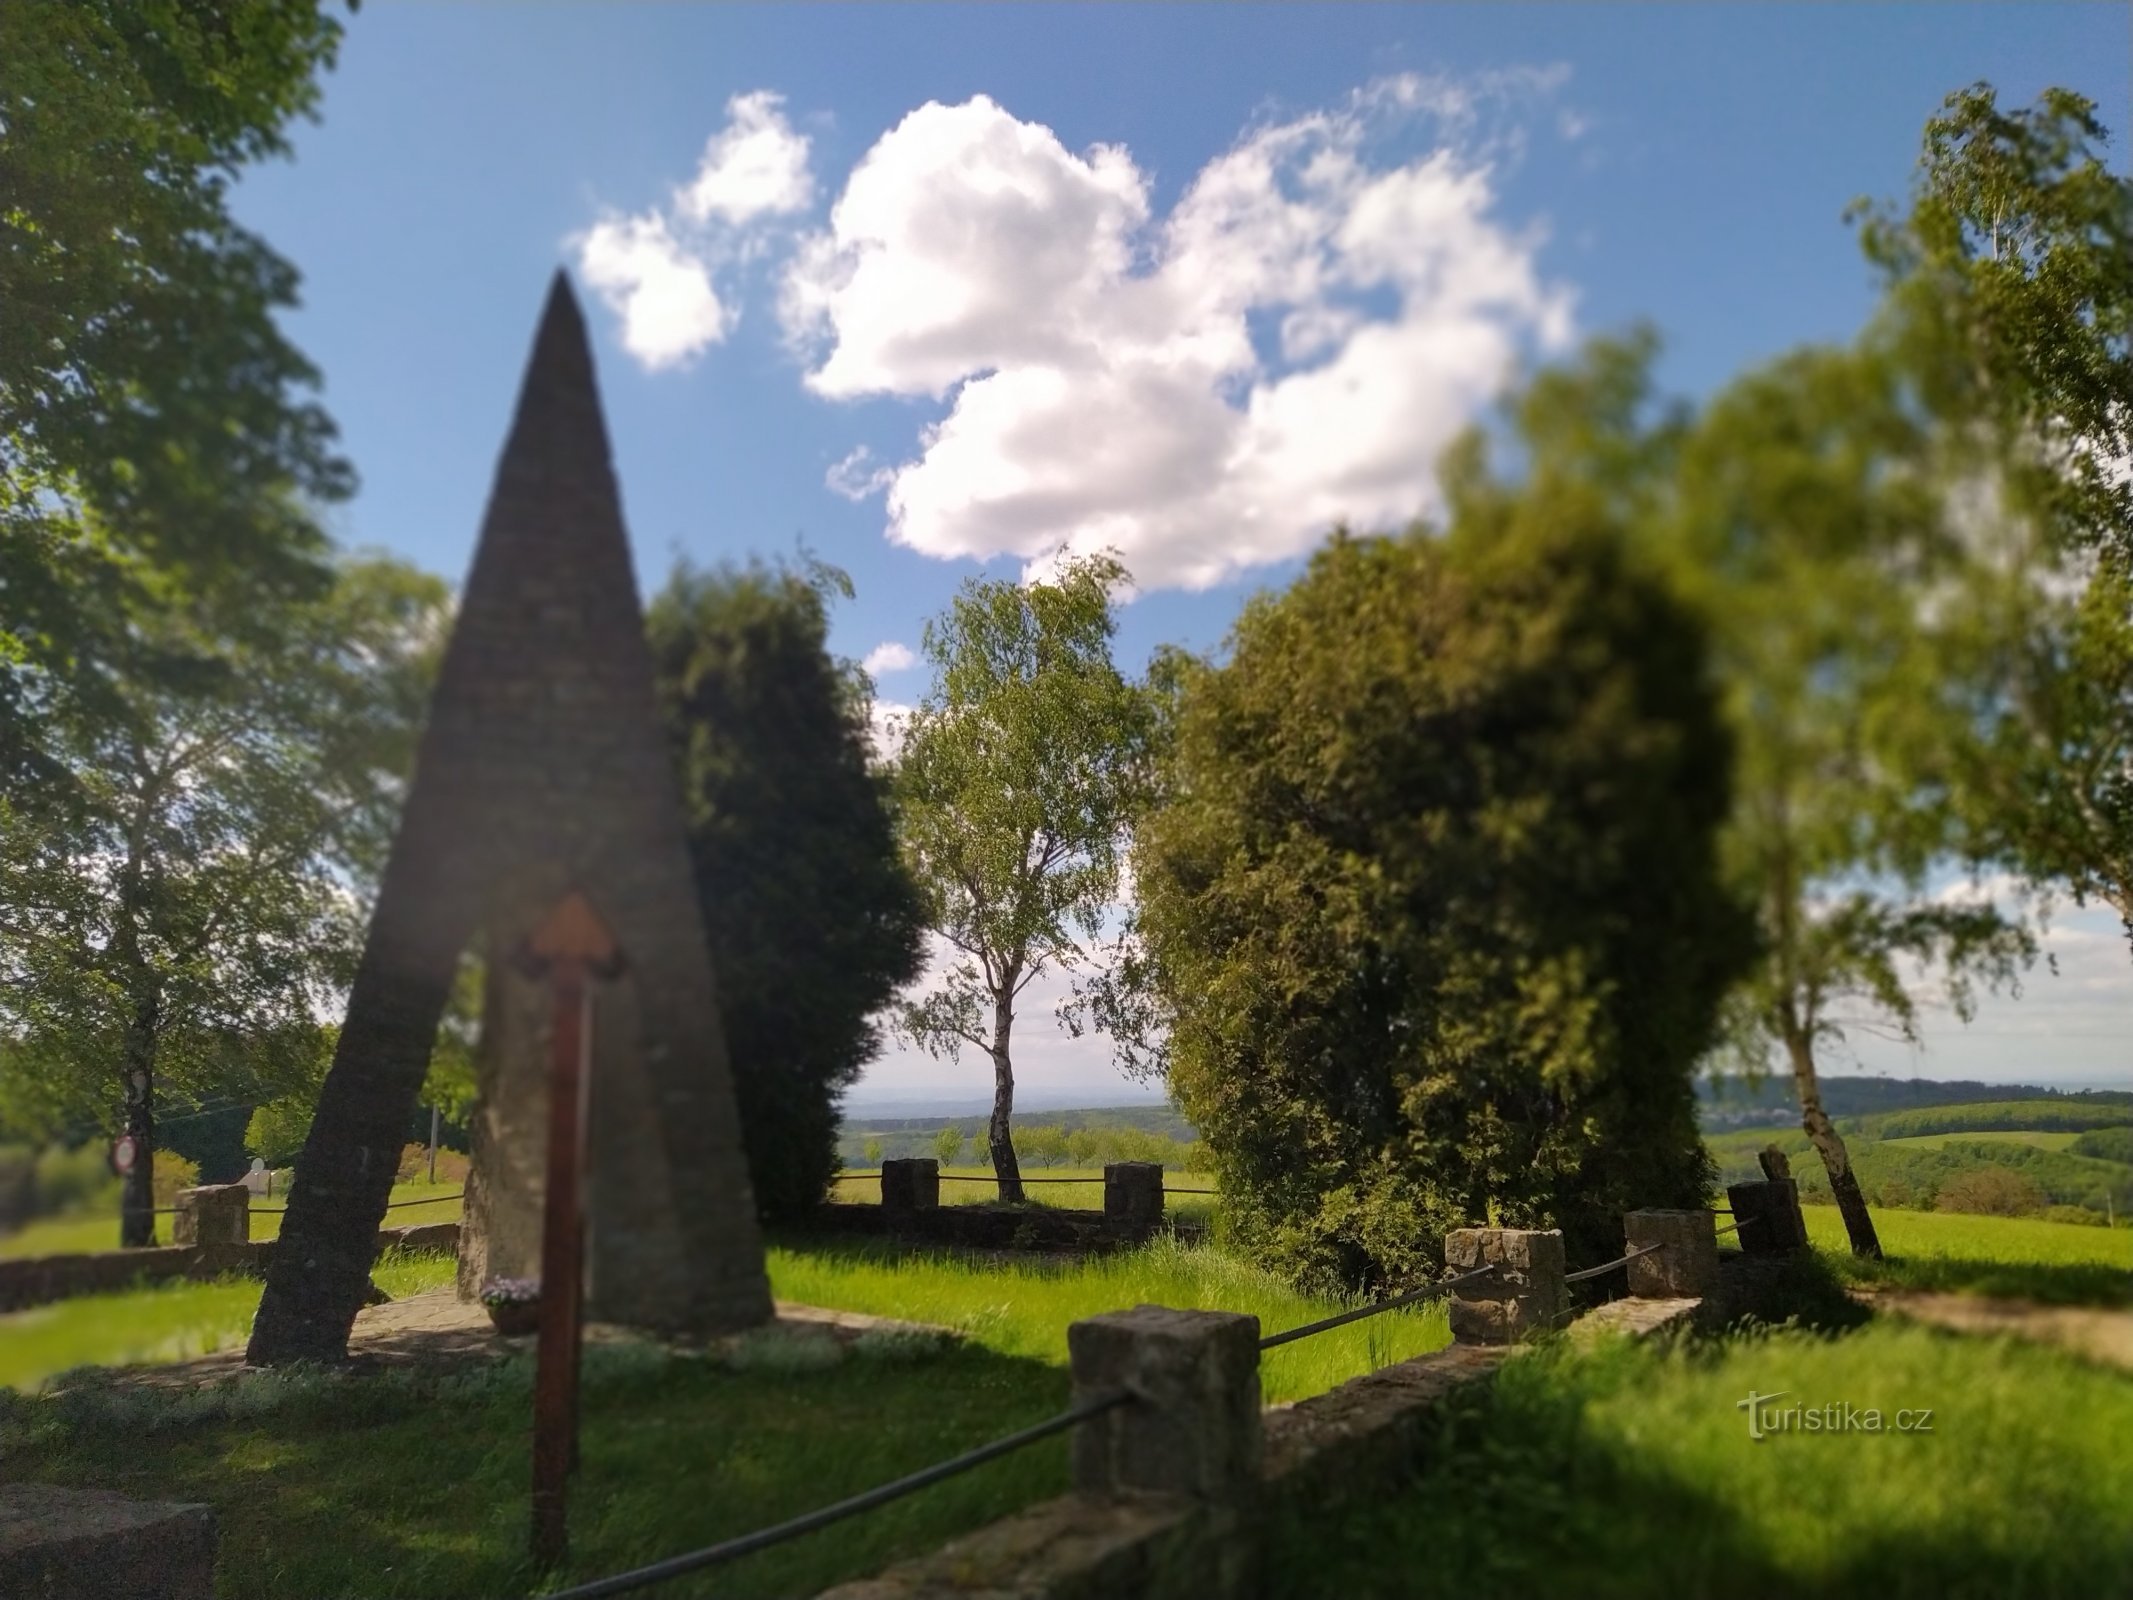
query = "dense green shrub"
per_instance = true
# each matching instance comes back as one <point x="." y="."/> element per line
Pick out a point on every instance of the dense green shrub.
<point x="1990" y="1191"/>
<point x="2105" y="1144"/>
<point x="813" y="922"/>
<point x="79" y="1179"/>
<point x="1431" y="901"/>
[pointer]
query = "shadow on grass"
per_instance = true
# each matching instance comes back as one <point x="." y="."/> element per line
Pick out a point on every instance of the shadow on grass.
<point x="416" y="1484"/>
<point x="2052" y="1283"/>
<point x="1806" y="1291"/>
<point x="1619" y="1473"/>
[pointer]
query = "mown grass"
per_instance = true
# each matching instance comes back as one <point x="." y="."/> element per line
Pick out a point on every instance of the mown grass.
<point x="416" y="1484"/>
<point x="1629" y="1471"/>
<point x="77" y="1233"/>
<point x="2017" y="1256"/>
<point x="1021" y="1308"/>
<point x="2028" y="1136"/>
<point x="394" y="1485"/>
<point x="82" y="1233"/>
<point x="164" y="1323"/>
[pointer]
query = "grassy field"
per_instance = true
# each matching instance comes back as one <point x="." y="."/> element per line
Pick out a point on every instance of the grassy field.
<point x="1022" y="1309"/>
<point x="1629" y="1471"/>
<point x="81" y="1234"/>
<point x="2029" y="1136"/>
<point x="2019" y="1256"/>
<point x="171" y="1322"/>
<point x="678" y="1451"/>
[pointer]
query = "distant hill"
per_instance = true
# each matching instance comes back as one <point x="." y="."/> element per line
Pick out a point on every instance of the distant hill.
<point x="1731" y="1103"/>
<point x="913" y="1135"/>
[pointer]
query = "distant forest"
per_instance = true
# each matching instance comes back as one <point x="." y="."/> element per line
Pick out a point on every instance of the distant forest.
<point x="1731" y="1103"/>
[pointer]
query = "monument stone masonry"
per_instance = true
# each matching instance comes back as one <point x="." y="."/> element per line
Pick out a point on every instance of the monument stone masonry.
<point x="543" y="768"/>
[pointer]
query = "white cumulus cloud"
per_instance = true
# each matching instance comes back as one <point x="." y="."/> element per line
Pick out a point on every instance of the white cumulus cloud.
<point x="755" y="166"/>
<point x="661" y="290"/>
<point x="1103" y="383"/>
<point x="889" y="656"/>
<point x="655" y="269"/>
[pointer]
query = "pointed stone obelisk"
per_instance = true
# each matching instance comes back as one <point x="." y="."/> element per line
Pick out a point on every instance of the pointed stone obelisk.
<point x="543" y="768"/>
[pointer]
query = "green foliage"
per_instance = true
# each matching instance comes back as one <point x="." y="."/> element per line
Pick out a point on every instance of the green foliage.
<point x="2047" y="1115"/>
<point x="173" y="1172"/>
<point x="2010" y="303"/>
<point x="813" y="921"/>
<point x="947" y="1145"/>
<point x="1917" y="1171"/>
<point x="1043" y="1145"/>
<point x="181" y="919"/>
<point x="873" y="1152"/>
<point x="154" y="429"/>
<point x="1020" y="774"/>
<point x="1431" y="897"/>
<point x="1626" y="1471"/>
<point x="2009" y="309"/>
<point x="1992" y="1191"/>
<point x="76" y="1179"/>
<point x="2105" y="1144"/>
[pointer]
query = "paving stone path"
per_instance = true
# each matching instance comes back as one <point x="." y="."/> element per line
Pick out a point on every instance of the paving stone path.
<point x="436" y="1327"/>
<point x="2099" y="1334"/>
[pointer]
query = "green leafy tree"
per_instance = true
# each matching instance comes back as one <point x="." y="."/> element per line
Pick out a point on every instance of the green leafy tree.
<point x="814" y="922"/>
<point x="871" y="1149"/>
<point x="153" y="418"/>
<point x="1044" y="1144"/>
<point x="1020" y="775"/>
<point x="947" y="1146"/>
<point x="180" y="924"/>
<point x="2008" y="308"/>
<point x="1814" y="554"/>
<point x="1430" y="903"/>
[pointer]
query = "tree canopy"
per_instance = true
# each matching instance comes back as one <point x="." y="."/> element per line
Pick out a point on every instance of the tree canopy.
<point x="1432" y="901"/>
<point x="1020" y="775"/>
<point x="814" y="923"/>
<point x="155" y="430"/>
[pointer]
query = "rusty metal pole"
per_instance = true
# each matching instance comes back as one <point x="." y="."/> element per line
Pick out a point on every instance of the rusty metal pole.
<point x="571" y="947"/>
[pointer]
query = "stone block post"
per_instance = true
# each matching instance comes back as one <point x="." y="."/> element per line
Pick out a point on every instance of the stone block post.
<point x="1133" y="1196"/>
<point x="911" y="1184"/>
<point x="1685" y="1266"/>
<point x="1768" y="1216"/>
<point x="215" y="1216"/>
<point x="1193" y="1428"/>
<point x="1524" y="1295"/>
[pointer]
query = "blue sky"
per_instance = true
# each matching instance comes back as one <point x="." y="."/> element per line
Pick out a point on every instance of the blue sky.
<point x="948" y="290"/>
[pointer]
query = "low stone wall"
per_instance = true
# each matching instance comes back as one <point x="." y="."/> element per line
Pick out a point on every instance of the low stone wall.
<point x="1148" y="1517"/>
<point x="984" y="1227"/>
<point x="39" y="1280"/>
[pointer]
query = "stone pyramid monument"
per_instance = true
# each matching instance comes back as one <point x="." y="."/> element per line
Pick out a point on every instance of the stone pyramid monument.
<point x="543" y="768"/>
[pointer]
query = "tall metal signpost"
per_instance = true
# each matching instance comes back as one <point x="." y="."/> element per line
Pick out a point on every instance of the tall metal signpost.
<point x="569" y="951"/>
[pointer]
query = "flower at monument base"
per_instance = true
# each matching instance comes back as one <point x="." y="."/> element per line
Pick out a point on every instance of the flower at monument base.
<point x="514" y="1304"/>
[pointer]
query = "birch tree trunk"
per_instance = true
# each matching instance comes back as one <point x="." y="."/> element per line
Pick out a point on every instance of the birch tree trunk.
<point x="1829" y="1144"/>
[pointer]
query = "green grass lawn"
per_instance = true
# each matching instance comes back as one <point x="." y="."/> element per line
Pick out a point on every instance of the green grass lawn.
<point x="80" y="1234"/>
<point x="169" y="1322"/>
<point x="1022" y="1308"/>
<point x="393" y="1485"/>
<point x="2018" y="1256"/>
<point x="74" y="1234"/>
<point x="1629" y="1471"/>
<point x="2030" y="1136"/>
